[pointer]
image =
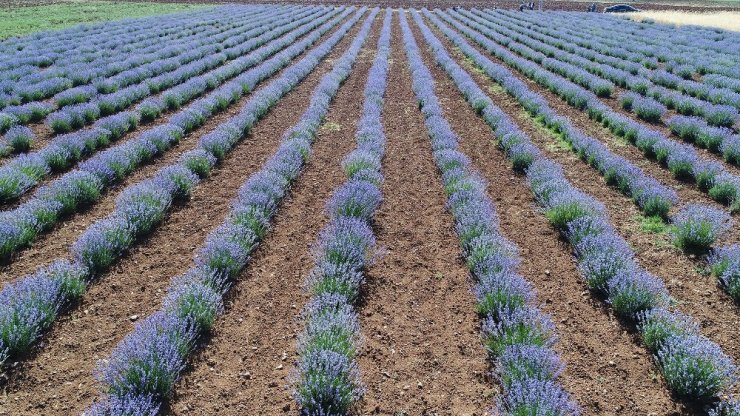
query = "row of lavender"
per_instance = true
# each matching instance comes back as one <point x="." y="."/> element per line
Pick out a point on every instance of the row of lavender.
<point x="517" y="335"/>
<point x="144" y="367"/>
<point x="45" y="48"/>
<point x="328" y="380"/>
<point x="708" y="125"/>
<point x="602" y="47"/>
<point x="64" y="151"/>
<point x="31" y="303"/>
<point x="126" y="48"/>
<point x="84" y="104"/>
<point x="81" y="105"/>
<point x="696" y="227"/>
<point x="680" y="159"/>
<point x="693" y="366"/>
<point x="653" y="198"/>
<point x="82" y="187"/>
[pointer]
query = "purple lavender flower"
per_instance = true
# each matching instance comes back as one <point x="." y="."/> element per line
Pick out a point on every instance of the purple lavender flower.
<point x="75" y="189"/>
<point x="194" y="301"/>
<point x="331" y="325"/>
<point x="178" y="180"/>
<point x="695" y="367"/>
<point x="602" y="257"/>
<point x="697" y="227"/>
<point x="144" y="205"/>
<point x="491" y="253"/>
<point x="103" y="242"/>
<point x="658" y="325"/>
<point x="355" y="199"/>
<point x="633" y="291"/>
<point x="729" y="407"/>
<point x="725" y="265"/>
<point x="199" y="161"/>
<point x="328" y="383"/>
<point x="730" y="148"/>
<point x="502" y="291"/>
<point x="347" y="241"/>
<point x="126" y="405"/>
<point x="536" y="397"/>
<point x="332" y="278"/>
<point x="149" y="360"/>
<point x="524" y="362"/>
<point x="521" y="326"/>
<point x="225" y="250"/>
<point x="14" y="183"/>
<point x="19" y="138"/>
<point x="29" y="306"/>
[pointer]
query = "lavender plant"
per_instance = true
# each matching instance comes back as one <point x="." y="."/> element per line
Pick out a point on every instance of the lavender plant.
<point x="697" y="227"/>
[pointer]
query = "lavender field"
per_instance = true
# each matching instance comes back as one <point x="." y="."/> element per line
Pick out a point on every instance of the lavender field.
<point x="334" y="210"/>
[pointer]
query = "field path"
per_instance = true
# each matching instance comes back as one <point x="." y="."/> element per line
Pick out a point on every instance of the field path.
<point x="423" y="354"/>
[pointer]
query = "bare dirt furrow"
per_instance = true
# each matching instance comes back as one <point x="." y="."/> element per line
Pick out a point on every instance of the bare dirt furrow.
<point x="246" y="365"/>
<point x="423" y="354"/>
<point x="607" y="371"/>
<point x="695" y="292"/>
<point x="56" y="242"/>
<point x="59" y="379"/>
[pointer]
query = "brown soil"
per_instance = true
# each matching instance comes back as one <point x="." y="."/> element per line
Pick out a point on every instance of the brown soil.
<point x="607" y="374"/>
<point x="246" y="366"/>
<point x="59" y="378"/>
<point x="423" y="354"/>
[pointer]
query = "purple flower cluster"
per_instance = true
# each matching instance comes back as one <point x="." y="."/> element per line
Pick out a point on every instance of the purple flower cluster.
<point x="17" y="139"/>
<point x="608" y="267"/>
<point x="725" y="265"/>
<point x="148" y="362"/>
<point x="515" y="332"/>
<point x="696" y="227"/>
<point x="643" y="107"/>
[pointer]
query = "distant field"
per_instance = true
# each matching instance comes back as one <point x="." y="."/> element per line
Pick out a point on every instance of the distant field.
<point x="722" y="19"/>
<point x="17" y="21"/>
